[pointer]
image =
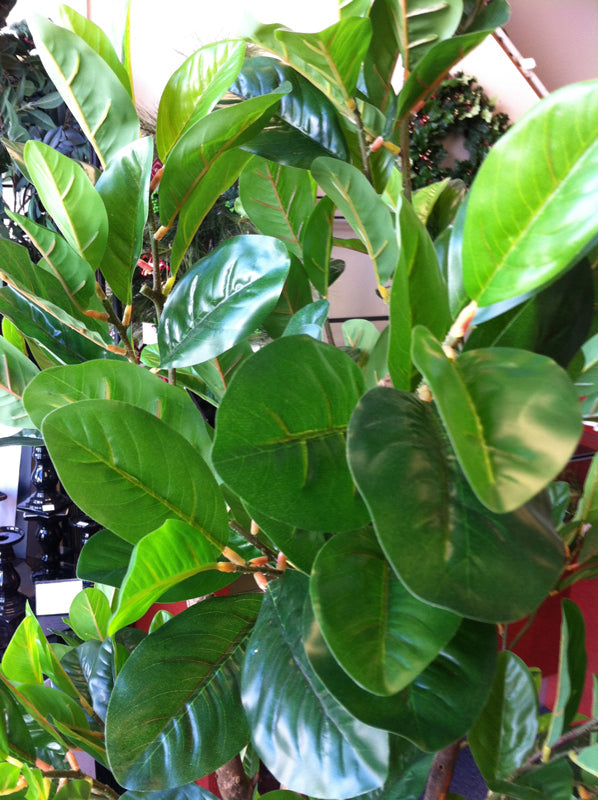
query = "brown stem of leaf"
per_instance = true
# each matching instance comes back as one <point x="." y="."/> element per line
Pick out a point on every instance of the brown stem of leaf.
<point x="441" y="772"/>
<point x="233" y="783"/>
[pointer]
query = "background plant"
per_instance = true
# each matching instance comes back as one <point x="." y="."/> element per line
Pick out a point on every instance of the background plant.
<point x="393" y="497"/>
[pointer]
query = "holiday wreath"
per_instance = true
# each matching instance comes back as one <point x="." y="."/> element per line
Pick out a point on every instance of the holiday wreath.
<point x="459" y="109"/>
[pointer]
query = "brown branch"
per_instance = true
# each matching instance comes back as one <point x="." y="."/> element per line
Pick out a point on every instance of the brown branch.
<point x="233" y="783"/>
<point x="441" y="772"/>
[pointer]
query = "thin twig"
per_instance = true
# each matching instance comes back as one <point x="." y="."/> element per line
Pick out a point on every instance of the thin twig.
<point x="249" y="537"/>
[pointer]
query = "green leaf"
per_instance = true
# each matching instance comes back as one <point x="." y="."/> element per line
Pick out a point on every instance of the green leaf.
<point x="381" y="59"/>
<point x="330" y="59"/>
<point x="552" y="781"/>
<point x="159" y="561"/>
<point x="486" y="399"/>
<point x="89" y="614"/>
<point x="420" y="25"/>
<point x="277" y="200"/>
<point x="191" y="791"/>
<point x="417" y="493"/>
<point x="408" y="773"/>
<point x="505" y="732"/>
<point x="104" y="559"/>
<point x="398" y="635"/>
<point x="74" y="790"/>
<point x="92" y="91"/>
<point x="571" y="674"/>
<point x="296" y="294"/>
<point x="283" y="457"/>
<point x="304" y="736"/>
<point x="16" y="371"/>
<point x="364" y="210"/>
<point x="208" y="148"/>
<point x="438" y="707"/>
<point x="438" y="60"/>
<point x="22" y="660"/>
<point x="309" y="320"/>
<point x="125" y="185"/>
<point x="420" y="298"/>
<point x="194" y="89"/>
<point x="118" y="380"/>
<point x="173" y="719"/>
<point x="70" y="199"/>
<point x="74" y="273"/>
<point x="304" y="127"/>
<point x="587" y="509"/>
<point x="587" y="759"/>
<point x="153" y="473"/>
<point x="546" y="186"/>
<point x="317" y="245"/>
<point x="222" y="299"/>
<point x="95" y="37"/>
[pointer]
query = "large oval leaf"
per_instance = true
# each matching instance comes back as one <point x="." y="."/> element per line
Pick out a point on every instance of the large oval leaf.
<point x="194" y="89"/>
<point x="119" y="380"/>
<point x="283" y="453"/>
<point x="506" y="730"/>
<point x="513" y="417"/>
<point x="125" y="184"/>
<point x="277" y="199"/>
<point x="304" y="736"/>
<point x="364" y="210"/>
<point x="438" y="707"/>
<point x="398" y="635"/>
<point x="150" y="472"/>
<point x="70" y="199"/>
<point x="306" y="125"/>
<point x="16" y="371"/>
<point x="421" y="24"/>
<point x="92" y="91"/>
<point x="446" y="547"/>
<point x="530" y="211"/>
<point x="175" y="713"/>
<point x="222" y="299"/>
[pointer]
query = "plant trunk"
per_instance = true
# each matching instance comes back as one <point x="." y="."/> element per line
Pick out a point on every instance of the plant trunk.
<point x="233" y="783"/>
<point x="441" y="773"/>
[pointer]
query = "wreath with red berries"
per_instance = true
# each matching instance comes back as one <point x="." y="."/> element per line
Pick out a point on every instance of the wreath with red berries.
<point x="460" y="108"/>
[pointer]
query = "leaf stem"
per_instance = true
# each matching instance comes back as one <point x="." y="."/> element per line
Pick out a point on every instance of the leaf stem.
<point x="97" y="788"/>
<point x="249" y="537"/>
<point x="118" y="325"/>
<point x="363" y="150"/>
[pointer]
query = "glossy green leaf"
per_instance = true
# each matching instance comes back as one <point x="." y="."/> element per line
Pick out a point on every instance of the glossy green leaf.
<point x="16" y="371"/>
<point x="361" y="336"/>
<point x="194" y="89"/>
<point x="70" y="199"/>
<point x="159" y="561"/>
<point x="572" y="671"/>
<point x="513" y="417"/>
<point x="119" y="380"/>
<point x="15" y="738"/>
<point x="173" y="719"/>
<point x="104" y="559"/>
<point x="9" y="778"/>
<point x="95" y="37"/>
<point x="547" y="185"/>
<point x="331" y="59"/>
<point x="208" y="148"/>
<point x="47" y="292"/>
<point x="92" y="91"/>
<point x="296" y="294"/>
<point x="407" y="773"/>
<point x="364" y="210"/>
<point x="587" y="509"/>
<point x="309" y="320"/>
<point x="125" y="184"/>
<point x="304" y="127"/>
<point x="420" y="25"/>
<point x="22" y="660"/>
<point x="421" y="298"/>
<point x="505" y="732"/>
<point x="74" y="790"/>
<point x="587" y="759"/>
<point x="552" y="781"/>
<point x="381" y="59"/>
<point x="89" y="614"/>
<point x="283" y="457"/>
<point x="317" y="244"/>
<point x="191" y="791"/>
<point x="438" y="707"/>
<point x="153" y="473"/>
<point x="307" y="740"/>
<point x="63" y="340"/>
<point x="91" y="666"/>
<point x="438" y="60"/>
<point x="417" y="490"/>
<point x="222" y="299"/>
<point x="277" y="200"/>
<point x="398" y="635"/>
<point x="52" y="703"/>
<point x="74" y="273"/>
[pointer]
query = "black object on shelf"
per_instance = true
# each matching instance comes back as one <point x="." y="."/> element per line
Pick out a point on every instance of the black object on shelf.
<point x="12" y="601"/>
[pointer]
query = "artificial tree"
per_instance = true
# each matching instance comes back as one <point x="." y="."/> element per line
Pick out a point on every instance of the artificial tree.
<point x="394" y="497"/>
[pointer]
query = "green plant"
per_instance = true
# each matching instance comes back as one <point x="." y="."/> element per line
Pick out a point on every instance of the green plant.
<point x="393" y="526"/>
